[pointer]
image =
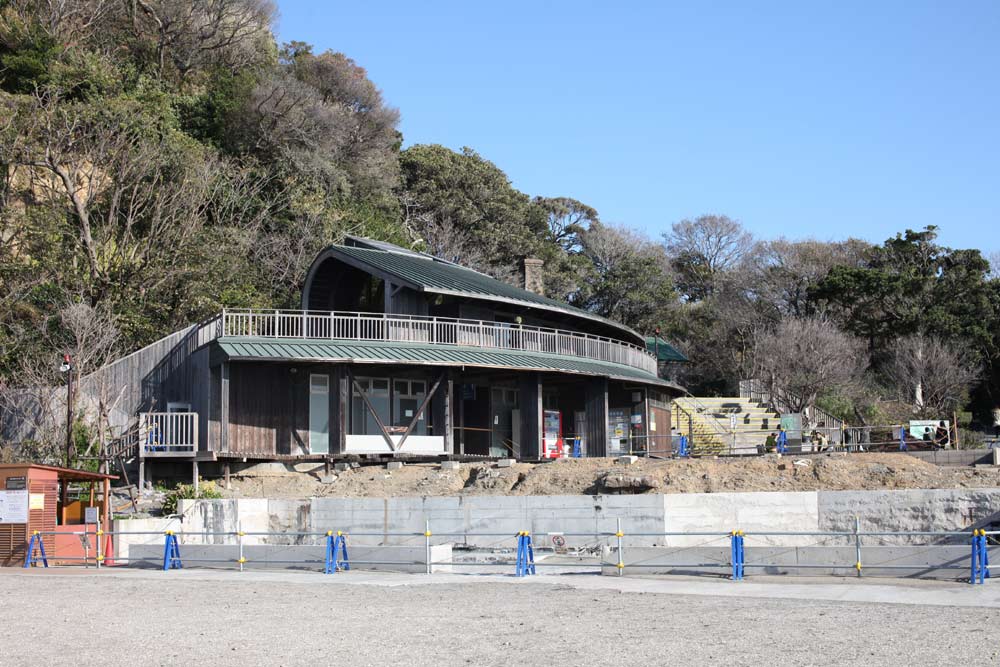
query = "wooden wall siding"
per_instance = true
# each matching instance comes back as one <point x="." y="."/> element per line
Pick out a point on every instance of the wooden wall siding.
<point x="441" y="412"/>
<point x="146" y="380"/>
<point x="596" y="397"/>
<point x="661" y="442"/>
<point x="261" y="409"/>
<point x="404" y="301"/>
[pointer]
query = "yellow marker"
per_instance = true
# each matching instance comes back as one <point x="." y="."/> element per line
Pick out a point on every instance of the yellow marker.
<point x="100" y="532"/>
<point x="241" y="534"/>
<point x="242" y="560"/>
<point x="100" y="558"/>
<point x="857" y="566"/>
<point x="340" y="533"/>
<point x="35" y="532"/>
<point x="169" y="532"/>
<point x="742" y="533"/>
<point x="619" y="534"/>
<point x="427" y="533"/>
<point x="329" y="533"/>
<point x="621" y="565"/>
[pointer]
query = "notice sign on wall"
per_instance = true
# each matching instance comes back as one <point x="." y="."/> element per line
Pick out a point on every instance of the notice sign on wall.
<point x="13" y="506"/>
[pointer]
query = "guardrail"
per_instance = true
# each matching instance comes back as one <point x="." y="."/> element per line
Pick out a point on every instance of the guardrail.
<point x="163" y="434"/>
<point x="711" y="551"/>
<point x="380" y="327"/>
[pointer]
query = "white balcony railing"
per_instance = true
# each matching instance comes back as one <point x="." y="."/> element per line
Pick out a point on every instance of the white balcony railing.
<point x="433" y="330"/>
<point x="168" y="434"/>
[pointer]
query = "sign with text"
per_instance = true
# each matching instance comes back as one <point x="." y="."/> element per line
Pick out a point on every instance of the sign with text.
<point x="13" y="506"/>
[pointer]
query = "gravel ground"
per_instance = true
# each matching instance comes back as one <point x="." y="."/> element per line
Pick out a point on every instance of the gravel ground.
<point x="71" y="617"/>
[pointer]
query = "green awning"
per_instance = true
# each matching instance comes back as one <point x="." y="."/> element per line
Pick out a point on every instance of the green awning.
<point x="664" y="350"/>
<point x="367" y="352"/>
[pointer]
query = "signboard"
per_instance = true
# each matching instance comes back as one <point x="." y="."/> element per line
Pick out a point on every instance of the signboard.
<point x="36" y="501"/>
<point x="13" y="506"/>
<point x="90" y="515"/>
<point x="16" y="483"/>
<point x="617" y="432"/>
<point x="924" y="429"/>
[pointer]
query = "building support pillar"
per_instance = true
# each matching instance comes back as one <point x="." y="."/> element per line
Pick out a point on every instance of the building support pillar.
<point x="530" y="398"/>
<point x="224" y="407"/>
<point x="596" y="406"/>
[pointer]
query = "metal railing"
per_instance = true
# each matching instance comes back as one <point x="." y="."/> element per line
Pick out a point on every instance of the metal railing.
<point x="432" y="330"/>
<point x="168" y="434"/>
<point x="614" y="550"/>
<point x="756" y="391"/>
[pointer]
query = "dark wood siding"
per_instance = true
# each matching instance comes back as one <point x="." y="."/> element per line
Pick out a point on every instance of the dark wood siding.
<point x="597" y="416"/>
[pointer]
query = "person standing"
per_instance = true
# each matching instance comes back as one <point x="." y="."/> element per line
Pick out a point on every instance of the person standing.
<point x="996" y="422"/>
<point x="941" y="437"/>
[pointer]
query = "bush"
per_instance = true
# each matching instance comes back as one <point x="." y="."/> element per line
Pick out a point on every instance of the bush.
<point x="206" y="490"/>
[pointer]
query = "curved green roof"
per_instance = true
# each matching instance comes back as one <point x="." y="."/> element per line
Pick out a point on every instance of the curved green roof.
<point x="425" y="273"/>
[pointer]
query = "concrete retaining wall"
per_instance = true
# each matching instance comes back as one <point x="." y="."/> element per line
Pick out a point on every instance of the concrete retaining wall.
<point x="488" y="521"/>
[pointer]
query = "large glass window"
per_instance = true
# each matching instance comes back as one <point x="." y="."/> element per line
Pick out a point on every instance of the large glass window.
<point x="362" y="420"/>
<point x="406" y="399"/>
<point x="395" y="411"/>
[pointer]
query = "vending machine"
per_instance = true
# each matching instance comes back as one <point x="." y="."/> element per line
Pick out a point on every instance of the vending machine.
<point x="552" y="436"/>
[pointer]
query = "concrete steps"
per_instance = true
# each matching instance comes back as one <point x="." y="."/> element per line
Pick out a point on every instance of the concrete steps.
<point x="709" y="419"/>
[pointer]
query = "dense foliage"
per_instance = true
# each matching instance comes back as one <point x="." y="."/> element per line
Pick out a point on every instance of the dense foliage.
<point x="163" y="159"/>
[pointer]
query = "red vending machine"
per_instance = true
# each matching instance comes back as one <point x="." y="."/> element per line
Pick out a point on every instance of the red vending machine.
<point x="552" y="436"/>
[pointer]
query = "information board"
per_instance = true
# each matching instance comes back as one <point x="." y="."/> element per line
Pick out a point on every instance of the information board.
<point x="13" y="506"/>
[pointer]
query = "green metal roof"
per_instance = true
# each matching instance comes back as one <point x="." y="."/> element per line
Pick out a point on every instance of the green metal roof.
<point x="426" y="273"/>
<point x="664" y="350"/>
<point x="365" y="352"/>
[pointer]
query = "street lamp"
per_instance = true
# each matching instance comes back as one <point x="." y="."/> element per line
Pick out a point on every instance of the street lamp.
<point x="67" y="368"/>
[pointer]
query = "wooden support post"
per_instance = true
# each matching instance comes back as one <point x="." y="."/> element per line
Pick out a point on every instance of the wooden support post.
<point x="141" y="482"/>
<point x="225" y="473"/>
<point x="530" y="445"/>
<point x="194" y="474"/>
<point x="224" y="408"/>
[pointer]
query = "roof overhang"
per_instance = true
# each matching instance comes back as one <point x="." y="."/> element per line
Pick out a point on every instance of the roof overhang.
<point x="365" y="352"/>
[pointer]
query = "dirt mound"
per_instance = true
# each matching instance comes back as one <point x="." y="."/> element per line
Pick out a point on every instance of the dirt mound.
<point x="592" y="476"/>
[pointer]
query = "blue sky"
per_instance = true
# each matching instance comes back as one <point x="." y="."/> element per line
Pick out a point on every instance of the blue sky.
<point x="800" y="119"/>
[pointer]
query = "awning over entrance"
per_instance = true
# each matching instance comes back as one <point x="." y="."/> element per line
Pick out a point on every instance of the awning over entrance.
<point x="364" y="352"/>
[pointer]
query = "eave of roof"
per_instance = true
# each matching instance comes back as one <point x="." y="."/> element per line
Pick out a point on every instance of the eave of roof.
<point x="664" y="350"/>
<point x="427" y="274"/>
<point x="366" y="352"/>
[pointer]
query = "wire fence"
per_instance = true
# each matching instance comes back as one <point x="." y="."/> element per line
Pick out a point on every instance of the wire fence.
<point x="919" y="554"/>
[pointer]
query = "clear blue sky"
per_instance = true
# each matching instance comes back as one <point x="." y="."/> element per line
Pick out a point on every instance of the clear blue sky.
<point x="802" y="119"/>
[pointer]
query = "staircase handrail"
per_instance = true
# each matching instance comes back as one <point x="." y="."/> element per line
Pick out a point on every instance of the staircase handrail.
<point x="755" y="390"/>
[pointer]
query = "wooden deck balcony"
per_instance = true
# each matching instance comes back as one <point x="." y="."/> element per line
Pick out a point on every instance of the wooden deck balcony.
<point x="431" y="330"/>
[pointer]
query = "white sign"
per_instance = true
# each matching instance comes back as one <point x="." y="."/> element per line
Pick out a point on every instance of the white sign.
<point x="90" y="515"/>
<point x="14" y="506"/>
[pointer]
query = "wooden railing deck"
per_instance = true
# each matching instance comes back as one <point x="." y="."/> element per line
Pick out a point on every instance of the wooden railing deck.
<point x="433" y="330"/>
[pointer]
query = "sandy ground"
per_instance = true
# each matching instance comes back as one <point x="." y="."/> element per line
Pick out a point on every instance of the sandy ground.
<point x="589" y="476"/>
<point x="70" y="617"/>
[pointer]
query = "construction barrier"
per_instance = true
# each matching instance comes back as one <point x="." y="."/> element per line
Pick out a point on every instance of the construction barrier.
<point x="910" y="553"/>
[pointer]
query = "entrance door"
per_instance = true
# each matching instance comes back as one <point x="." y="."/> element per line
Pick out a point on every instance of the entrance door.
<point x="319" y="414"/>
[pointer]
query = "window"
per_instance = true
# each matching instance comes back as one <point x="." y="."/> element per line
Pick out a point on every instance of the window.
<point x="362" y="420"/>
<point x="406" y="400"/>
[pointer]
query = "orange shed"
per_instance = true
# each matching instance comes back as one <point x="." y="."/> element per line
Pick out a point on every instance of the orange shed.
<point x="34" y="497"/>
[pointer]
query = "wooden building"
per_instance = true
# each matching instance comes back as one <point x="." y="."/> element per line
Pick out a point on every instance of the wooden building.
<point x="396" y="353"/>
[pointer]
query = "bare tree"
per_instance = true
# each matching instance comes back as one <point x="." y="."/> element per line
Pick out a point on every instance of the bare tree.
<point x="194" y="33"/>
<point x="807" y="357"/>
<point x="703" y="249"/>
<point x="994" y="260"/>
<point x="930" y="374"/>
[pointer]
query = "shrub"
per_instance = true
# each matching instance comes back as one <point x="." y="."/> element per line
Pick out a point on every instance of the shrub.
<point x="206" y="490"/>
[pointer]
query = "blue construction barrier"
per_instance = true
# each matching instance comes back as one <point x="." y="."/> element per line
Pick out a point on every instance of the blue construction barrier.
<point x="782" y="442"/>
<point x="980" y="562"/>
<point x="336" y="553"/>
<point x="736" y="554"/>
<point x="683" y="450"/>
<point x="35" y="544"/>
<point x="171" y="552"/>
<point x="525" y="555"/>
<point x="902" y="440"/>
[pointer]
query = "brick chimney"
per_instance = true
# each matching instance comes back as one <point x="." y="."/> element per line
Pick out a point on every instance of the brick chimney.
<point x="533" y="275"/>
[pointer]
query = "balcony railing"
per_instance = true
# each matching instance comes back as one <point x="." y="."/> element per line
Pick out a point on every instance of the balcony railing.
<point x="433" y="330"/>
<point x="168" y="434"/>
